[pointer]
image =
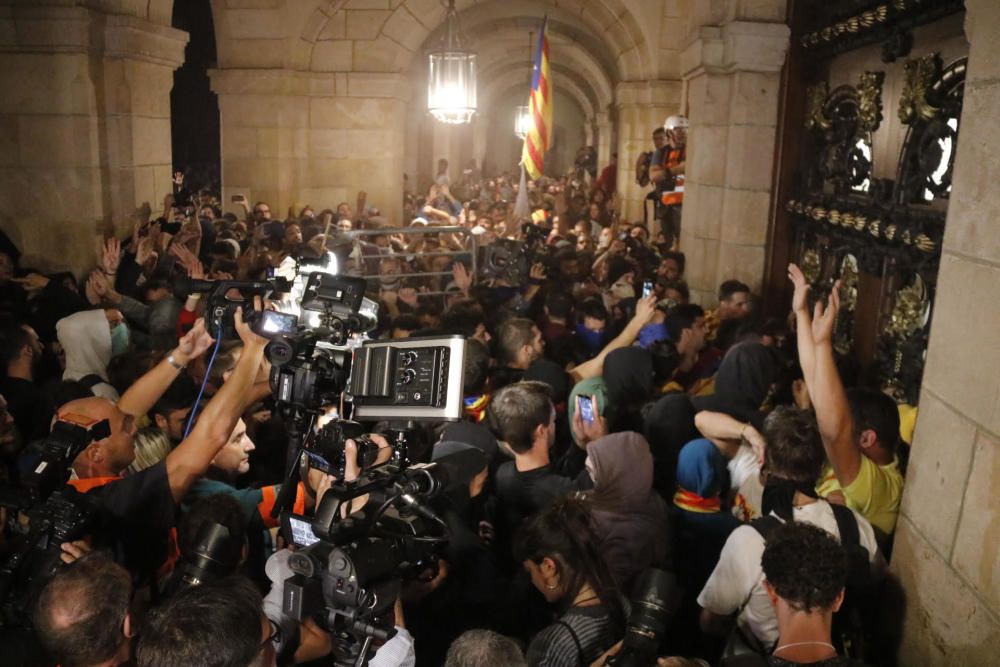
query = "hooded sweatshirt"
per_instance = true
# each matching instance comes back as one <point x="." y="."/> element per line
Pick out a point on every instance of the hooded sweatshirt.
<point x="630" y="519"/>
<point x="86" y="339"/>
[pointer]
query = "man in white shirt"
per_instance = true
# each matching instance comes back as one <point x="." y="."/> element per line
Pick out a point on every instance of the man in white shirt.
<point x="793" y="460"/>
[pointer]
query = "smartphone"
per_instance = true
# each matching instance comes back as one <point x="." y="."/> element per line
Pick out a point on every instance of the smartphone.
<point x="236" y="199"/>
<point x="586" y="408"/>
<point x="647" y="288"/>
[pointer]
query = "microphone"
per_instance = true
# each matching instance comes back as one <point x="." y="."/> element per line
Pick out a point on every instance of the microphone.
<point x="444" y="474"/>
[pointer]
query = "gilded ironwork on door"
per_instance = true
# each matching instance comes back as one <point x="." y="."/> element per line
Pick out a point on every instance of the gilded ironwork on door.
<point x="848" y="222"/>
<point x="841" y="124"/>
<point x="931" y="104"/>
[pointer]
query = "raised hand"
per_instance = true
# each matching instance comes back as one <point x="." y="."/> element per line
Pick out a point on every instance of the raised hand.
<point x="146" y="250"/>
<point x="111" y="256"/>
<point x="825" y="318"/>
<point x="178" y="178"/>
<point x="194" y="343"/>
<point x="537" y="271"/>
<point x="586" y="432"/>
<point x="800" y="300"/>
<point x="188" y="261"/>
<point x="243" y="329"/>
<point x="645" y="308"/>
<point x="90" y="290"/>
<point x="461" y="276"/>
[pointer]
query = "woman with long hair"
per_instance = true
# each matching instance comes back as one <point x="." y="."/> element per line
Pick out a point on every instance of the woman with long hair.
<point x="560" y="552"/>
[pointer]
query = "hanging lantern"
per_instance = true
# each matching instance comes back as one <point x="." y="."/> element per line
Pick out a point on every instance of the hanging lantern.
<point x="451" y="77"/>
<point x="522" y="121"/>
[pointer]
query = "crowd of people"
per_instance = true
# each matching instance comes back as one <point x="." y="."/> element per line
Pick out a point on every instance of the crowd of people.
<point x="621" y="427"/>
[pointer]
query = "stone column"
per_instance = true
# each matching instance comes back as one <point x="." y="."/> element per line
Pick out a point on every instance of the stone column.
<point x="641" y="106"/>
<point x="603" y="130"/>
<point x="947" y="549"/>
<point x="84" y="127"/>
<point x="296" y="138"/>
<point x="733" y="75"/>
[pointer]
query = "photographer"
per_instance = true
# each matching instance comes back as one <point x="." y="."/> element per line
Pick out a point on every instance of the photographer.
<point x="136" y="512"/>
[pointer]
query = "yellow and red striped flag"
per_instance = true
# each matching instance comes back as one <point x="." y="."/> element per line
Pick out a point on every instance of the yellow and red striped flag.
<point x="539" y="137"/>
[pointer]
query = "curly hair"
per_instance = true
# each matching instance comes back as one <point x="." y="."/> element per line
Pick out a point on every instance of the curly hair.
<point x="805" y="566"/>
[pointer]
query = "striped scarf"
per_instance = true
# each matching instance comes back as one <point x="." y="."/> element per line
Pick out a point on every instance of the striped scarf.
<point x="692" y="502"/>
<point x="475" y="407"/>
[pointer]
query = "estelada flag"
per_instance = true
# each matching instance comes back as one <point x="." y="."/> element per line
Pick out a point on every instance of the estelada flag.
<point x="539" y="136"/>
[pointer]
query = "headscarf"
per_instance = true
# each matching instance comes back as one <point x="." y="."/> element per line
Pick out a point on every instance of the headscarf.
<point x="744" y="379"/>
<point x="622" y="468"/>
<point x="701" y="476"/>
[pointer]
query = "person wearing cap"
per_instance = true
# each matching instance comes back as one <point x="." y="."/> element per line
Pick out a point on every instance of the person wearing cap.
<point x="666" y="170"/>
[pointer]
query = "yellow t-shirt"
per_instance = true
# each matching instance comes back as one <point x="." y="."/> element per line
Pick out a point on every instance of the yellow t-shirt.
<point x="875" y="493"/>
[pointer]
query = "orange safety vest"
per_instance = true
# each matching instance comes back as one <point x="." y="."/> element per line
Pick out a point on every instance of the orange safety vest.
<point x="674" y="197"/>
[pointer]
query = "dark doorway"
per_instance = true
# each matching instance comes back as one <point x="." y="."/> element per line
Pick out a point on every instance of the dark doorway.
<point x="194" y="108"/>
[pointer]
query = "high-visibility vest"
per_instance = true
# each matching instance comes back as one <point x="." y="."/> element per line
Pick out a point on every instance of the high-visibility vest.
<point x="674" y="197"/>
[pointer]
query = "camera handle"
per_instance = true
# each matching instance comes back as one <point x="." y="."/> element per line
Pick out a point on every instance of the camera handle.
<point x="400" y="434"/>
<point x="285" y="499"/>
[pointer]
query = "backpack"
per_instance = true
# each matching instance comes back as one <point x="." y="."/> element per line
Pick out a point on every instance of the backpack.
<point x="849" y="622"/>
<point x="642" y="168"/>
<point x="92" y="380"/>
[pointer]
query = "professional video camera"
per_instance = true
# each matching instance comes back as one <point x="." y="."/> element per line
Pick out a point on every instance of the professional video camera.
<point x="511" y="260"/>
<point x="351" y="566"/>
<point x="655" y="602"/>
<point x="321" y="364"/>
<point x="225" y="297"/>
<point x="55" y="513"/>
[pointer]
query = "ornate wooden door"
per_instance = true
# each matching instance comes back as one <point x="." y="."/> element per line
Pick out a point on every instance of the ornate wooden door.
<point x="865" y="171"/>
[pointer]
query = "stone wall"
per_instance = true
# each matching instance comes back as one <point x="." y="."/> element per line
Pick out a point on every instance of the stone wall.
<point x="297" y="138"/>
<point x="732" y="69"/>
<point x="84" y="125"/>
<point x="947" y="552"/>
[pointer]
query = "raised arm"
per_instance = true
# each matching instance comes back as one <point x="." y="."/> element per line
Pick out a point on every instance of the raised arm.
<point x="147" y="390"/>
<point x="833" y="413"/>
<point x="644" y="309"/>
<point x="190" y="459"/>
<point x="803" y="323"/>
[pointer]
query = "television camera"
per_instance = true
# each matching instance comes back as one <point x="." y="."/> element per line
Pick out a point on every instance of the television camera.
<point x="511" y="260"/>
<point x="372" y="533"/>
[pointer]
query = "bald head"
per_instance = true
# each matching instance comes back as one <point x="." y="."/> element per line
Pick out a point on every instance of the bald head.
<point x="107" y="457"/>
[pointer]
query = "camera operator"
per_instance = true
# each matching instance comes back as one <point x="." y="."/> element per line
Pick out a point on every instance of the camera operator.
<point x="221" y="623"/>
<point x="83" y="616"/>
<point x="136" y="512"/>
<point x="667" y="171"/>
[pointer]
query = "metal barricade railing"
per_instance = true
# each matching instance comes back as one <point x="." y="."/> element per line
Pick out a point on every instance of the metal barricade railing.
<point x="467" y="239"/>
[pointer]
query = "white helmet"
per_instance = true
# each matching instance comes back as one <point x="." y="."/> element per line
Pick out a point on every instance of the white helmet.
<point x="674" y="122"/>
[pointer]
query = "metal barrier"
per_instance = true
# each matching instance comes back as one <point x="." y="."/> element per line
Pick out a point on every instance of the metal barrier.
<point x="468" y="240"/>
